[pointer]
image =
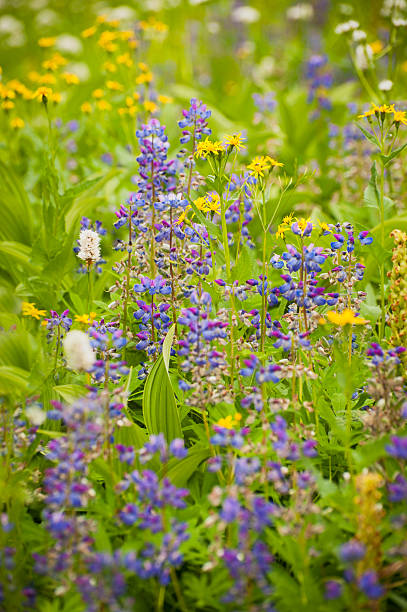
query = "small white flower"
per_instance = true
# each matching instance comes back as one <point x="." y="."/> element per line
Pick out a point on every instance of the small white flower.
<point x="346" y="26"/>
<point x="89" y="249"/>
<point x="399" y="22"/>
<point x="246" y="14"/>
<point x="35" y="415"/>
<point x="66" y="43"/>
<point x="385" y="85"/>
<point x="300" y="12"/>
<point x="363" y="56"/>
<point x="78" y="351"/>
<point x="358" y="35"/>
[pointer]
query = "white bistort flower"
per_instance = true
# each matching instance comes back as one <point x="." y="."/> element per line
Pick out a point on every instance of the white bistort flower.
<point x="78" y="351"/>
<point x="363" y="56"/>
<point x="347" y="26"/>
<point x="89" y="249"/>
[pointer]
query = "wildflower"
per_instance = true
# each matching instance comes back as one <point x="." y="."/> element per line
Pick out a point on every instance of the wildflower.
<point x="207" y="147"/>
<point x="17" y="123"/>
<point x="28" y="309"/>
<point x="370" y="585"/>
<point x="398" y="447"/>
<point x="43" y="94"/>
<point x="89" y="32"/>
<point x="262" y="163"/>
<point x="150" y="106"/>
<point x="89" y="249"/>
<point x="98" y="93"/>
<point x="85" y="319"/>
<point x="103" y="105"/>
<point x="47" y="42"/>
<point x="376" y="46"/>
<point x="333" y="589"/>
<point x="352" y="551"/>
<point x="196" y="118"/>
<point x="78" y="351"/>
<point x="70" y="78"/>
<point x="400" y="117"/>
<point x="165" y="99"/>
<point x="346" y="317"/>
<point x="86" y="108"/>
<point x="230" y="421"/>
<point x="235" y="140"/>
<point x="114" y="86"/>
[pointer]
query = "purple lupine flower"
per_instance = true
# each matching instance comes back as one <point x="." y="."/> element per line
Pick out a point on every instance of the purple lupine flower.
<point x="369" y="584"/>
<point x="333" y="589"/>
<point x="352" y="551"/>
<point x="398" y="447"/>
<point x="196" y="118"/>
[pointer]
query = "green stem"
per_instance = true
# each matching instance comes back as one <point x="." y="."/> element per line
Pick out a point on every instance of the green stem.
<point x="382" y="275"/>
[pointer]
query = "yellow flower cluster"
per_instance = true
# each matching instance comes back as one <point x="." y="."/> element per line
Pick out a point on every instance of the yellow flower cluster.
<point x="230" y="421"/>
<point x="208" y="203"/>
<point x="28" y="309"/>
<point x="346" y="317"/>
<point x="385" y="109"/>
<point x="208" y="147"/>
<point x="46" y="85"/>
<point x="370" y="514"/>
<point x="398" y="290"/>
<point x="261" y="164"/>
<point x="86" y="319"/>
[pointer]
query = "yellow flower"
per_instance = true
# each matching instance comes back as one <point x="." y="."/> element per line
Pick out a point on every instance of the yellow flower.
<point x="165" y="99"/>
<point x="136" y="95"/>
<point x="262" y="163"/>
<point x="56" y="61"/>
<point x="28" y="309"/>
<point x="207" y="147"/>
<point x="47" y="79"/>
<point x="70" y="78"/>
<point x="324" y="226"/>
<point x="376" y="46"/>
<point x="282" y="229"/>
<point x="17" y="123"/>
<point x="98" y="93"/>
<point x="230" y="421"/>
<point x="384" y="108"/>
<point x="103" y="105"/>
<point x="7" y="105"/>
<point x="145" y="77"/>
<point x="126" y="34"/>
<point x="400" y="117"/>
<point x="234" y="140"/>
<point x="346" y="317"/>
<point x="150" y="106"/>
<point x="42" y="94"/>
<point x="109" y="67"/>
<point x="86" y="108"/>
<point x="47" y="42"/>
<point x="56" y="97"/>
<point x="288" y="219"/>
<point x="114" y="86"/>
<point x="85" y="319"/>
<point x="89" y="32"/>
<point x="125" y="60"/>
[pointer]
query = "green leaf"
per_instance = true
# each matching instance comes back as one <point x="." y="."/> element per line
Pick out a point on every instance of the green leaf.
<point x="12" y="380"/>
<point x="70" y="393"/>
<point x="371" y="137"/>
<point x="179" y="471"/>
<point x="159" y="408"/>
<point x="388" y="158"/>
<point x="16" y="217"/>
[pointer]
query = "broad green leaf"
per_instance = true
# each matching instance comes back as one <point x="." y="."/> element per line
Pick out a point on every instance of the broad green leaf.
<point x="12" y="380"/>
<point x="70" y="393"/>
<point x="179" y="471"/>
<point x="16" y="217"/>
<point x="159" y="407"/>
